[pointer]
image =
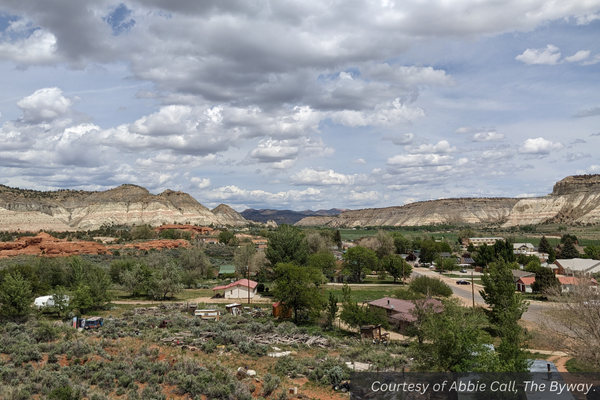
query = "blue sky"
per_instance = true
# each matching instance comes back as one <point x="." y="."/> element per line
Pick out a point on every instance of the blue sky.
<point x="300" y="104"/>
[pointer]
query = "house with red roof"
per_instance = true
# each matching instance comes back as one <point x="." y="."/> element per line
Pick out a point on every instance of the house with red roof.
<point x="238" y="289"/>
<point x="524" y="284"/>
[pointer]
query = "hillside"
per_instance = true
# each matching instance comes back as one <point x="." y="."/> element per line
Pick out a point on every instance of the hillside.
<point x="574" y="200"/>
<point x="125" y="205"/>
<point x="285" y="216"/>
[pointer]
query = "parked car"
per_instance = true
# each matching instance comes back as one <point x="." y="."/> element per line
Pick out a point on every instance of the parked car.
<point x="463" y="282"/>
<point x="463" y="271"/>
<point x="91" y="323"/>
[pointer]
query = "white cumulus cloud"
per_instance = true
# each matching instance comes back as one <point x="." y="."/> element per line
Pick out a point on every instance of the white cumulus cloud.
<point x="539" y="146"/>
<point x="549" y="56"/>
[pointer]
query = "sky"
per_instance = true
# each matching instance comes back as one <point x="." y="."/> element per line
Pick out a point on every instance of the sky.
<point x="300" y="104"/>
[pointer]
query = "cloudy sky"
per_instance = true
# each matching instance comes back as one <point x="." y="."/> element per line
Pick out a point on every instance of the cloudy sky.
<point x="300" y="104"/>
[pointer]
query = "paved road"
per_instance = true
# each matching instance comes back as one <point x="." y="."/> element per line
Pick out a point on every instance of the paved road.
<point x="535" y="312"/>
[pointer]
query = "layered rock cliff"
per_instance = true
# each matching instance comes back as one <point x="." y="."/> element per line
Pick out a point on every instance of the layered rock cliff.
<point x="574" y="200"/>
<point x="124" y="205"/>
<point x="446" y="211"/>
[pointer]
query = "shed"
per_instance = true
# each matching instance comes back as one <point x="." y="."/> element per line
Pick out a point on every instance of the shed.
<point x="226" y="269"/>
<point x="234" y="308"/>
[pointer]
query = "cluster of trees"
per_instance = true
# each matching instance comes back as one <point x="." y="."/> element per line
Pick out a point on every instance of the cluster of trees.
<point x="455" y="339"/>
<point x="85" y="283"/>
<point x="160" y="276"/>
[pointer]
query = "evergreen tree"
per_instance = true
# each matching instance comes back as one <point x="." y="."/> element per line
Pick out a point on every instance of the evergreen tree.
<point x="506" y="306"/>
<point x="569" y="251"/>
<point x="544" y="245"/>
<point x="544" y="280"/>
<point x="337" y="238"/>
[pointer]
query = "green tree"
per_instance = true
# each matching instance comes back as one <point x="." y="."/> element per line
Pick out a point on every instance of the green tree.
<point x="316" y="243"/>
<point x="566" y="237"/>
<point x="551" y="255"/>
<point x="166" y="279"/>
<point x="225" y="237"/>
<point x="569" y="251"/>
<point x="242" y="257"/>
<point x="592" y="251"/>
<point x="195" y="265"/>
<point x="62" y="302"/>
<point x="117" y="267"/>
<point x="82" y="299"/>
<point x="296" y="287"/>
<point x="429" y="286"/>
<point x="135" y="280"/>
<point x="544" y="245"/>
<point x="331" y="310"/>
<point x="452" y="341"/>
<point x="544" y="280"/>
<point x="396" y="266"/>
<point x="143" y="232"/>
<point x="506" y="306"/>
<point x="402" y="244"/>
<point x="287" y="244"/>
<point x="15" y="296"/>
<point x="337" y="238"/>
<point x="447" y="263"/>
<point x="355" y="315"/>
<point x="323" y="261"/>
<point x="429" y="251"/>
<point x="359" y="260"/>
<point x="484" y="256"/>
<point x="386" y="244"/>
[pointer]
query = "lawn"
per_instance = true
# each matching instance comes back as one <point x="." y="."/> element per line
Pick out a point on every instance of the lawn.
<point x="387" y="281"/>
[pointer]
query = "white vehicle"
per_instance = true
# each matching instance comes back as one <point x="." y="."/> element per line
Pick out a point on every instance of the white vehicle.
<point x="47" y="301"/>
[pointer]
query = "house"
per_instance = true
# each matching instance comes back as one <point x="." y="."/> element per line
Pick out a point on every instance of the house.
<point x="577" y="266"/>
<point x="399" y="312"/>
<point x="445" y="254"/>
<point x="490" y="241"/>
<point x="466" y="262"/>
<point x="226" y="269"/>
<point x="567" y="282"/>
<point x="524" y="284"/>
<point x="523" y="248"/>
<point x="518" y="274"/>
<point x="238" y="289"/>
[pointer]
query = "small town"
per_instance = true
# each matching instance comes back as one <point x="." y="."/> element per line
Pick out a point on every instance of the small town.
<point x="314" y="200"/>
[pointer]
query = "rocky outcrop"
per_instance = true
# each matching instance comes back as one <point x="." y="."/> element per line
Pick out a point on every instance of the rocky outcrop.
<point x="228" y="216"/>
<point x="574" y="200"/>
<point x="125" y="205"/>
<point x="49" y="246"/>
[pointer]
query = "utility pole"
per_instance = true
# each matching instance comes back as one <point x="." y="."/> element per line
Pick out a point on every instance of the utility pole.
<point x="472" y="289"/>
<point x="248" y="268"/>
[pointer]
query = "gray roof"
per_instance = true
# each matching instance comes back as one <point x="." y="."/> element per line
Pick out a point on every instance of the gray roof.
<point x="579" y="265"/>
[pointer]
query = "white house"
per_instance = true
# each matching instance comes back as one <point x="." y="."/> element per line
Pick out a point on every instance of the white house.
<point x="239" y="289"/>
<point x="523" y="248"/>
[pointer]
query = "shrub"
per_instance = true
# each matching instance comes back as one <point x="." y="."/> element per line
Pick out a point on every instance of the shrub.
<point x="270" y="383"/>
<point x="430" y="286"/>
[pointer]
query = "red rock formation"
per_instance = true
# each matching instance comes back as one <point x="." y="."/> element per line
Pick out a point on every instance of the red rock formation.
<point x="44" y="244"/>
<point x="49" y="246"/>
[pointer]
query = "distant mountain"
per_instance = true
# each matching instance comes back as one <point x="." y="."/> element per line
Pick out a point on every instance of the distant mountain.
<point x="574" y="200"/>
<point x="62" y="210"/>
<point x="286" y="216"/>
